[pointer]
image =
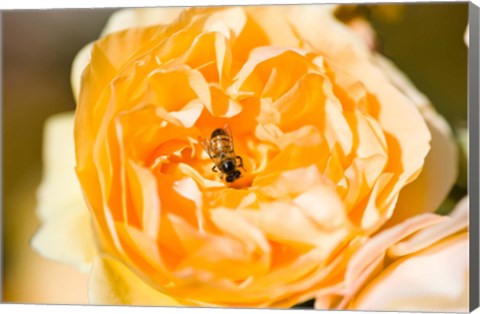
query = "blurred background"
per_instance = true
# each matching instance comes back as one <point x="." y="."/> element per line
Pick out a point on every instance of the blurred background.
<point x="424" y="40"/>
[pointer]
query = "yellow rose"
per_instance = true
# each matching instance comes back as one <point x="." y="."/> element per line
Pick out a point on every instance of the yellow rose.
<point x="330" y="135"/>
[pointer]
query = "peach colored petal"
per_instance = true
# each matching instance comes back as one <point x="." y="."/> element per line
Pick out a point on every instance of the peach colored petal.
<point x="290" y="182"/>
<point x="322" y="204"/>
<point x="280" y="221"/>
<point x="435" y="279"/>
<point x="379" y="243"/>
<point x="112" y="283"/>
<point x="66" y="233"/>
<point x="426" y="237"/>
<point x="236" y="226"/>
<point x="429" y="190"/>
<point x="363" y="262"/>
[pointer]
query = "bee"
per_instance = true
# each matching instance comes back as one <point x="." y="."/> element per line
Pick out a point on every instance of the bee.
<point x="221" y="151"/>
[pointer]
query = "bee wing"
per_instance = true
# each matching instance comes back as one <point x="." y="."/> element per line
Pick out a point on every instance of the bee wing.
<point x="227" y="130"/>
<point x="206" y="146"/>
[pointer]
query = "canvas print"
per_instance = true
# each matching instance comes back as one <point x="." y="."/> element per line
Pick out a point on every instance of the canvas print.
<point x="296" y="156"/>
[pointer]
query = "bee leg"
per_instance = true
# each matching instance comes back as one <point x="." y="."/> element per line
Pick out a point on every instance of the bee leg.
<point x="240" y="164"/>
<point x="214" y="168"/>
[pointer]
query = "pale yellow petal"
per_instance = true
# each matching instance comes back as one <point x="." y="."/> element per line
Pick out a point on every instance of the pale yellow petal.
<point x="67" y="238"/>
<point x="112" y="283"/>
<point x="59" y="186"/>
<point x="66" y="232"/>
<point x="435" y="279"/>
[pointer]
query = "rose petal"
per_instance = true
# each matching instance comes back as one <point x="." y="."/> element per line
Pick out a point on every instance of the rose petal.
<point x="212" y="257"/>
<point x="323" y="205"/>
<point x="432" y="234"/>
<point x="120" y="20"/>
<point x="112" y="283"/>
<point x="82" y="59"/>
<point x="58" y="167"/>
<point x="145" y="200"/>
<point x="67" y="238"/>
<point x="188" y="188"/>
<point x="236" y="226"/>
<point x="435" y="279"/>
<point x="281" y="222"/>
<point x="408" y="142"/>
<point x="360" y="265"/>
<point x="66" y="232"/>
<point x="231" y="19"/>
<point x="431" y="187"/>
<point x="189" y="114"/>
<point x="379" y="243"/>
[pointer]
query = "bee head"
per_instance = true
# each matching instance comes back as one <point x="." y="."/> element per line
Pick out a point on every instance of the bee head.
<point x="228" y="166"/>
<point x="218" y="132"/>
<point x="234" y="176"/>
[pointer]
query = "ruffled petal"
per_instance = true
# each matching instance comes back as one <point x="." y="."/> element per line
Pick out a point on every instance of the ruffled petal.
<point x="367" y="259"/>
<point x="426" y="237"/>
<point x="435" y="279"/>
<point x="431" y="187"/>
